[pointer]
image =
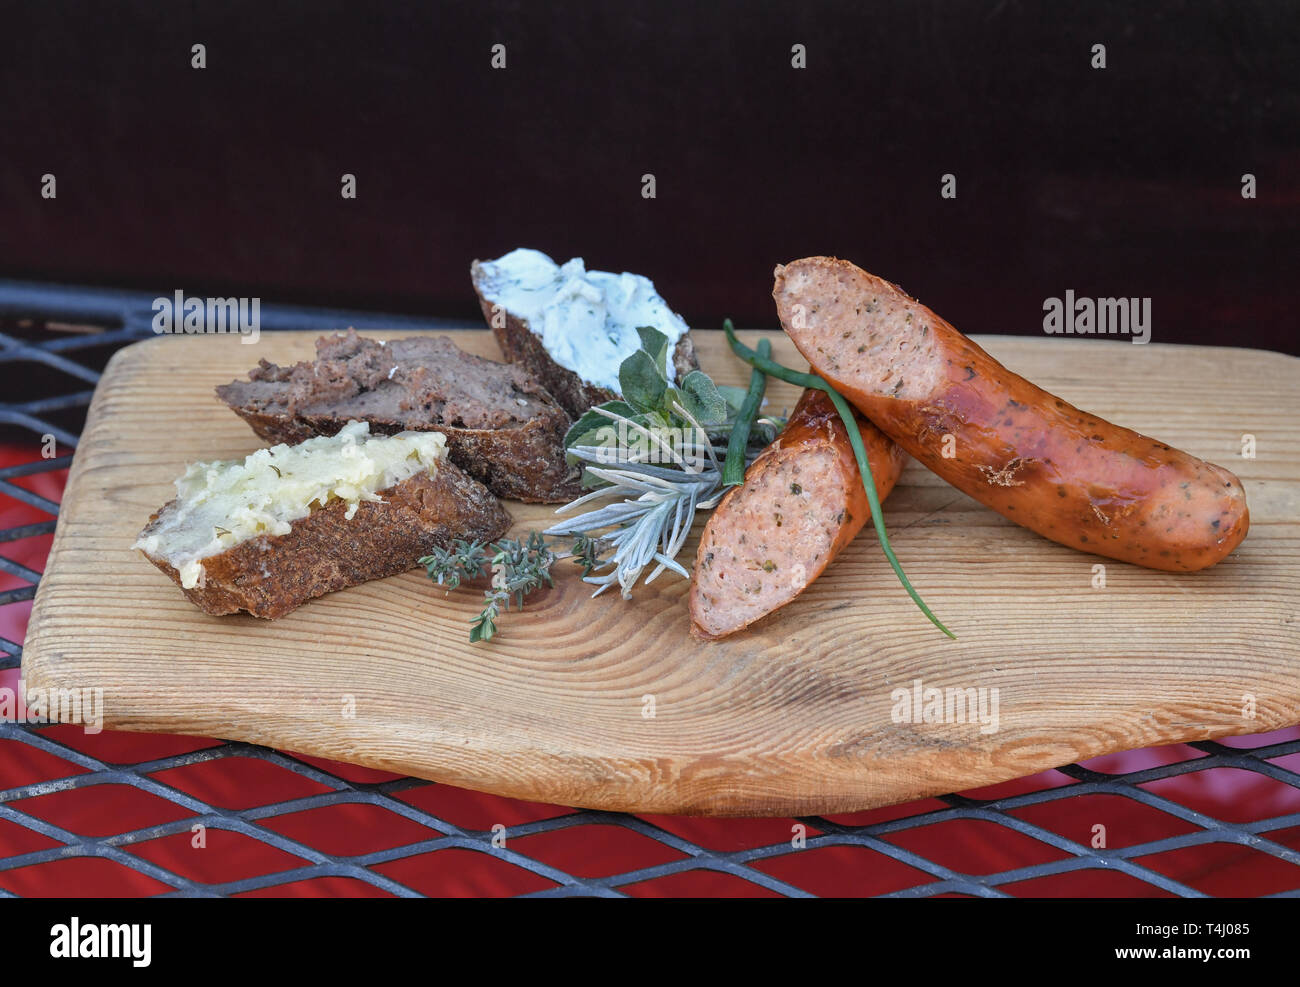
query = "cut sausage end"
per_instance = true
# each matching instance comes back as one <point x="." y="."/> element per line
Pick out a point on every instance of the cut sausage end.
<point x="802" y="501"/>
<point x="775" y="535"/>
<point x="859" y="328"/>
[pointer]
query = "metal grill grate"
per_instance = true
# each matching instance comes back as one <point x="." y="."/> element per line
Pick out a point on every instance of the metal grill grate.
<point x="47" y="326"/>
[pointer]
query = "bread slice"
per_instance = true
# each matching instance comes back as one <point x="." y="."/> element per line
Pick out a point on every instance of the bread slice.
<point x="502" y="425"/>
<point x="572" y="328"/>
<point x="356" y="535"/>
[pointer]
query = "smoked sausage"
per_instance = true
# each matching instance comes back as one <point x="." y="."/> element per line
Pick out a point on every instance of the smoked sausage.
<point x="1035" y="459"/>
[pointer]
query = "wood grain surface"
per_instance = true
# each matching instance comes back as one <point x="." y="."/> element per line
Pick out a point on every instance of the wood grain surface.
<point x="796" y="716"/>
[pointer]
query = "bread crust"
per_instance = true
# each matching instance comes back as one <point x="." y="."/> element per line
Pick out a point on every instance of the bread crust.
<point x="270" y="575"/>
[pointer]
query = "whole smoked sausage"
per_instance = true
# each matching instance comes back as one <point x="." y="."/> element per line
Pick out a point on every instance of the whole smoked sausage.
<point x="1068" y="475"/>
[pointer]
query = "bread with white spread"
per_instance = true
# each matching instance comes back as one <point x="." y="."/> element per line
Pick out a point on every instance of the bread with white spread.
<point x="290" y="523"/>
<point x="572" y="328"/>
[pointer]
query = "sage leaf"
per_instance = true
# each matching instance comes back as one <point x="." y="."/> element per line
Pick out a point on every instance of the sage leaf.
<point x="701" y="398"/>
<point x="641" y="382"/>
<point x="734" y="396"/>
<point x="592" y="421"/>
<point x="655" y="343"/>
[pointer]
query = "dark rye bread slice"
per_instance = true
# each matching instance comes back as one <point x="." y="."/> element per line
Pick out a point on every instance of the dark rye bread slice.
<point x="272" y="574"/>
<point x="522" y="346"/>
<point x="502" y="425"/>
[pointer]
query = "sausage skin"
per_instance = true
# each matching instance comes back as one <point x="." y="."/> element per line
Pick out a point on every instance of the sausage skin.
<point x="802" y="501"/>
<point x="1068" y="475"/>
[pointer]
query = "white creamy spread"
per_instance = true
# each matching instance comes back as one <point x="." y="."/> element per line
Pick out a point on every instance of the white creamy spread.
<point x="222" y="504"/>
<point x="586" y="320"/>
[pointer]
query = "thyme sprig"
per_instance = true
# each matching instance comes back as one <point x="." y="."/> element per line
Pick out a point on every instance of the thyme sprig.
<point x="586" y="552"/>
<point x="462" y="562"/>
<point x="518" y="567"/>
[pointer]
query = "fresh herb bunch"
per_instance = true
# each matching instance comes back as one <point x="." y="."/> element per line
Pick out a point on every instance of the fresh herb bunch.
<point x="657" y="404"/>
<point x="657" y="455"/>
<point x="654" y="456"/>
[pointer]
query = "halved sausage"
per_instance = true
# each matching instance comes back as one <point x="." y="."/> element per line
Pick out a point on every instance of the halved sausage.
<point x="802" y="501"/>
<point x="1068" y="475"/>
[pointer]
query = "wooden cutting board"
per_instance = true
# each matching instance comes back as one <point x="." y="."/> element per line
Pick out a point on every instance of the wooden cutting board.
<point x="609" y="704"/>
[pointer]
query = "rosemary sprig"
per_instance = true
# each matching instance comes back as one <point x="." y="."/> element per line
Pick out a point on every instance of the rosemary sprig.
<point x="774" y="369"/>
<point x="733" y="470"/>
<point x="655" y="505"/>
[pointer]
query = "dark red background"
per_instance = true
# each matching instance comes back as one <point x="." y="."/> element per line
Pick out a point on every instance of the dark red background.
<point x="1123" y="181"/>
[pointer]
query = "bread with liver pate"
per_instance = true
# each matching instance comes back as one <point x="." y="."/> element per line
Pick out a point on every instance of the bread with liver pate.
<point x="503" y="427"/>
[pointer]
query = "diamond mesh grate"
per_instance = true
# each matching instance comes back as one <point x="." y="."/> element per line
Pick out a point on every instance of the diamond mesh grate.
<point x="67" y="331"/>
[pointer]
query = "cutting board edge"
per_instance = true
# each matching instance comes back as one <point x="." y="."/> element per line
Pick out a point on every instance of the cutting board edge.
<point x="772" y="799"/>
